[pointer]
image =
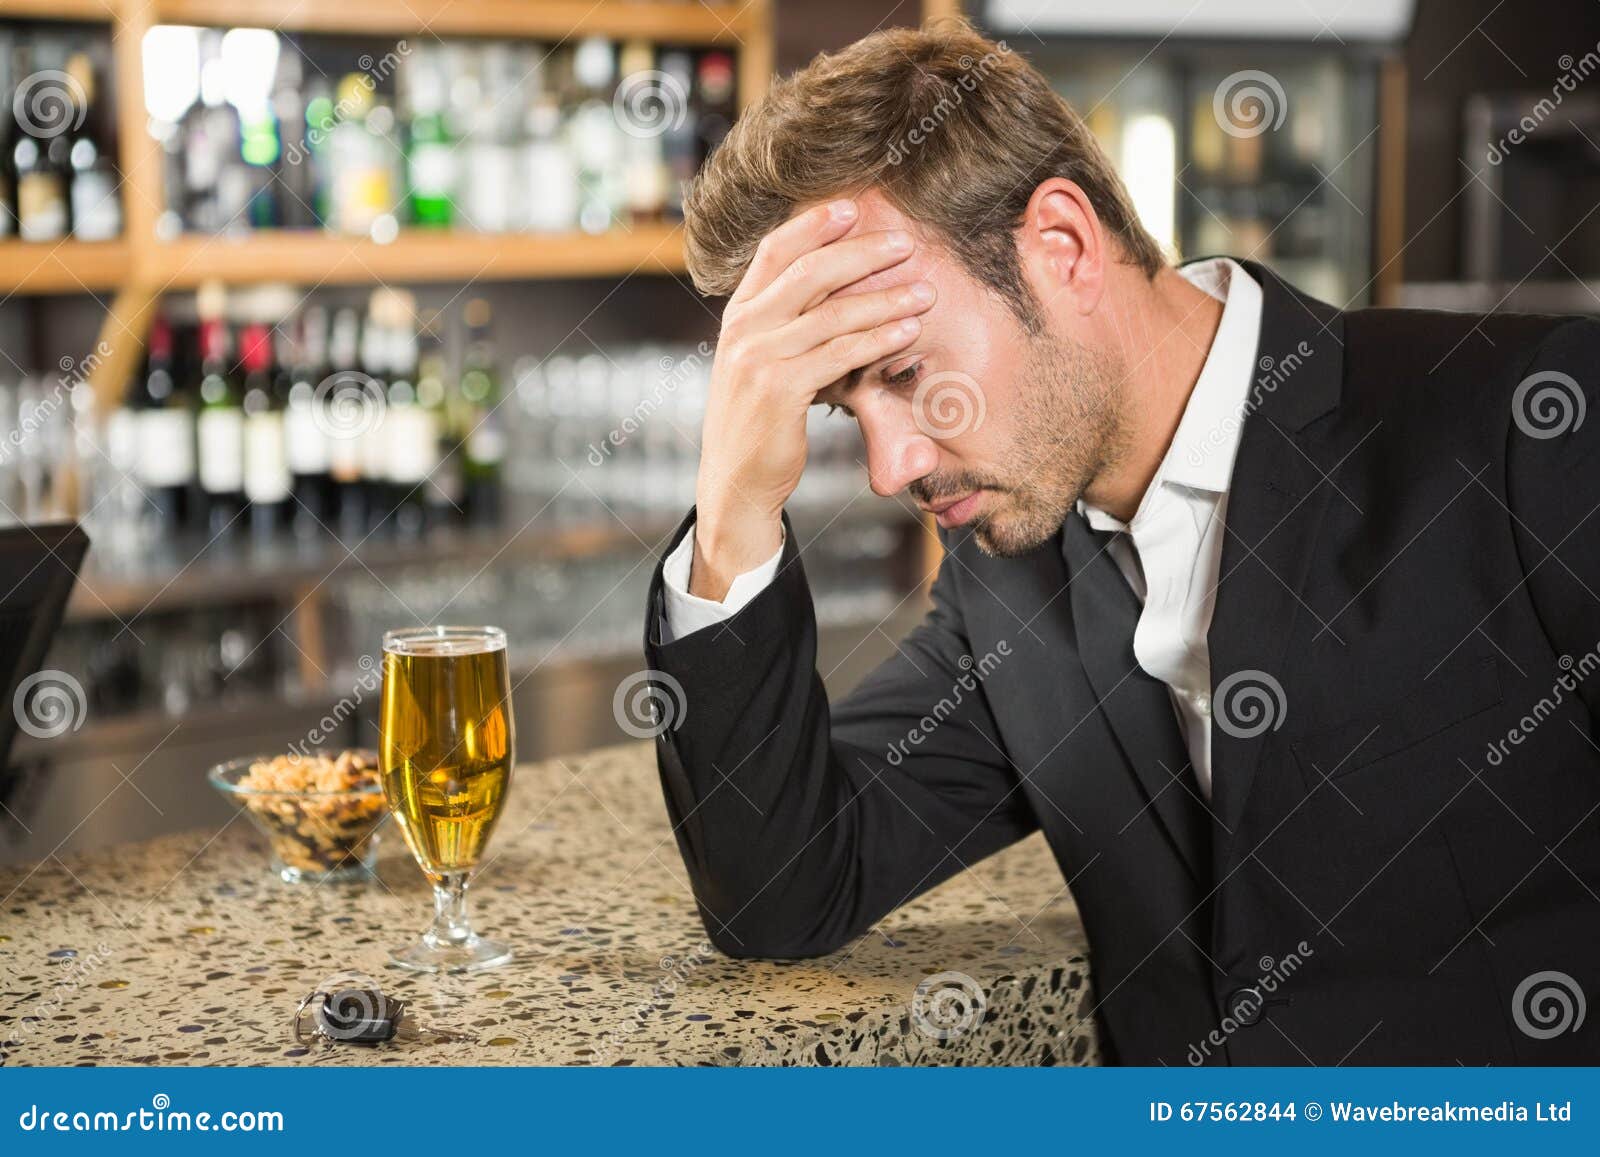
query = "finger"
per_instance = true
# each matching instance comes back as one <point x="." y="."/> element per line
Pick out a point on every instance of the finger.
<point x="800" y="234"/>
<point x="827" y="363"/>
<point x="856" y="313"/>
<point x="812" y="276"/>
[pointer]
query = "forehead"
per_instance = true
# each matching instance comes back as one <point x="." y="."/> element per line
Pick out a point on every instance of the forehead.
<point x="926" y="263"/>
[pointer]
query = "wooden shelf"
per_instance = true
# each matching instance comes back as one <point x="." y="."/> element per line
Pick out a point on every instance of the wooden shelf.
<point x="417" y="255"/>
<point x="81" y="11"/>
<point x="62" y="266"/>
<point x="662" y="21"/>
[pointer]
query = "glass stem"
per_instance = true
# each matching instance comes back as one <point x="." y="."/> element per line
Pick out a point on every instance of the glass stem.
<point x="450" y="924"/>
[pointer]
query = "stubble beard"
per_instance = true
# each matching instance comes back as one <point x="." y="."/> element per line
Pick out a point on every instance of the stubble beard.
<point x="1069" y="428"/>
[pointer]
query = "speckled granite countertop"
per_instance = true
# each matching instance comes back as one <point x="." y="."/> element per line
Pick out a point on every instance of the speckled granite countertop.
<point x="186" y="950"/>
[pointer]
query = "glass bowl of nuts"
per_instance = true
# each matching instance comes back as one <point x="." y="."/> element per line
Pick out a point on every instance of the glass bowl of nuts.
<point x="320" y="811"/>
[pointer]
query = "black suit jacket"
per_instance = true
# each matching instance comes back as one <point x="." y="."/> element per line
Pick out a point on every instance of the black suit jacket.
<point x="1410" y="579"/>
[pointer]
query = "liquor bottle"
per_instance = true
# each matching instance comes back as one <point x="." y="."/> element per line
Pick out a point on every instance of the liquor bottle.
<point x="165" y="437"/>
<point x="443" y="493"/>
<point x="8" y="189"/>
<point x="652" y="106"/>
<point x="295" y="171"/>
<point x="551" y="173"/>
<point x="220" y="426"/>
<point x="431" y="153"/>
<point x="363" y="181"/>
<point x="484" y="443"/>
<point x="495" y="200"/>
<point x="216" y="194"/>
<point x="410" y="432"/>
<point x="596" y="137"/>
<point x="305" y="441"/>
<point x="344" y="410"/>
<point x="40" y="153"/>
<point x="715" y="104"/>
<point x="266" y="469"/>
<point x="680" y="142"/>
<point x="95" y="201"/>
<point x="373" y="438"/>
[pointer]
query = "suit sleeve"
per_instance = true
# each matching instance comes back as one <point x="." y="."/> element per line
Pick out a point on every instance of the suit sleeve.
<point x="802" y="822"/>
<point x="1553" y="486"/>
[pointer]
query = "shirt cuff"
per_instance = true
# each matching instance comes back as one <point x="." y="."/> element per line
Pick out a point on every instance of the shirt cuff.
<point x="685" y="613"/>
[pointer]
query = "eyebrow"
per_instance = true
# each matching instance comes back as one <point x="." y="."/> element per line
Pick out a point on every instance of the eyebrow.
<point x="834" y="392"/>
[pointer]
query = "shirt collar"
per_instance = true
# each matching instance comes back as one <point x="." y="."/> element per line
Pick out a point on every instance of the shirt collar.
<point x="1207" y="439"/>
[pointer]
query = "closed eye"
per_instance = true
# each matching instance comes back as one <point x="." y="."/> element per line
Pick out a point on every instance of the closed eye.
<point x="903" y="377"/>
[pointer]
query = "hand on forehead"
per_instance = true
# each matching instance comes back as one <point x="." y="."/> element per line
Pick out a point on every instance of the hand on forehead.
<point x="876" y="215"/>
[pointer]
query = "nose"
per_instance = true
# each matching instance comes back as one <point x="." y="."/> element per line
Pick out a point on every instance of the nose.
<point x="897" y="456"/>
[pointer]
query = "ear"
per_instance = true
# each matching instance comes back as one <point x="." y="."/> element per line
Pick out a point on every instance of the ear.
<point x="1062" y="247"/>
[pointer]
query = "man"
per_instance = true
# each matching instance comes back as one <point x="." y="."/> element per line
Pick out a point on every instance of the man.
<point x="1275" y="618"/>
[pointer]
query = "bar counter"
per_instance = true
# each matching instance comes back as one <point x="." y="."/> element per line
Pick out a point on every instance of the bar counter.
<point x="186" y="950"/>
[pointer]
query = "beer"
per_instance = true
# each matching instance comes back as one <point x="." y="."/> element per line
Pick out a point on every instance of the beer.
<point x="446" y="752"/>
<point x="447" y="745"/>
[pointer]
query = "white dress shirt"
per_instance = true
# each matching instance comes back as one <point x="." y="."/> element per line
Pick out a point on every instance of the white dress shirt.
<point x="1170" y="551"/>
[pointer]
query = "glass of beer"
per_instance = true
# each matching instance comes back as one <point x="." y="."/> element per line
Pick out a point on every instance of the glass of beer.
<point x="446" y="752"/>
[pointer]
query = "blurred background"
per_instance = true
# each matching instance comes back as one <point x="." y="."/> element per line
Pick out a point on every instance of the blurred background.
<point x="326" y="319"/>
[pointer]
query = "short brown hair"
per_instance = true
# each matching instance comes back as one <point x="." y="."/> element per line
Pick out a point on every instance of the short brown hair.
<point x="956" y="131"/>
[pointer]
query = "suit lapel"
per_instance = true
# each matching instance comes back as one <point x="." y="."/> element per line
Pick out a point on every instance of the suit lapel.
<point x="1277" y="499"/>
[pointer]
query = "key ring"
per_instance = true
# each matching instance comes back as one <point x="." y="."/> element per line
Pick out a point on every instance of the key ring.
<point x="299" y="1015"/>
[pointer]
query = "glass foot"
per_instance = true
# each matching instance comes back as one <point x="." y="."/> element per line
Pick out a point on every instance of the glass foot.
<point x="467" y="954"/>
